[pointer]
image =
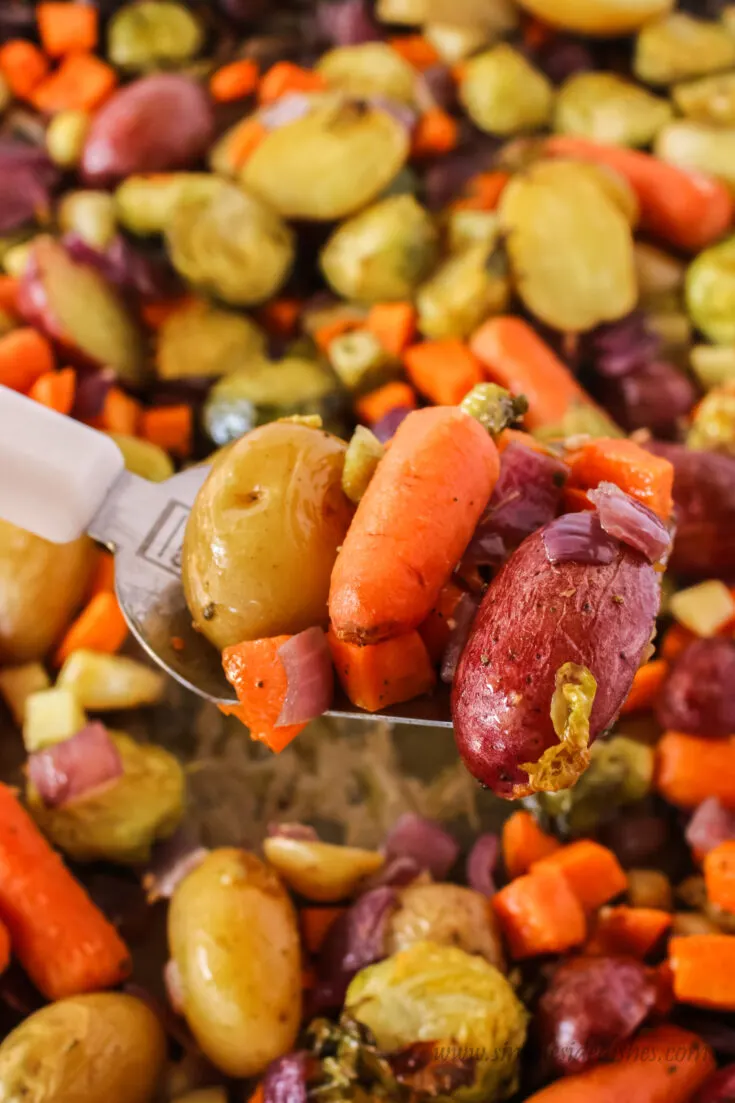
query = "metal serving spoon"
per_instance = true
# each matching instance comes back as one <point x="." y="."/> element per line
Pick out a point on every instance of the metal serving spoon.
<point x="60" y="479"/>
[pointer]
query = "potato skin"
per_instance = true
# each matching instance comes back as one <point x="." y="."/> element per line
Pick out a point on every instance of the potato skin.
<point x="41" y="586"/>
<point x="534" y="618"/>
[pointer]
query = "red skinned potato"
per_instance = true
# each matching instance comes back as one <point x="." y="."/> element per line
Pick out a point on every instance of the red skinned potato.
<point x="541" y="628"/>
<point x="720" y="1088"/>
<point x="697" y="696"/>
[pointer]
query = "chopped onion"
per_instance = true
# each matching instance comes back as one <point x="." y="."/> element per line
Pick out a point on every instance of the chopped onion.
<point x="481" y="862"/>
<point x="356" y="939"/>
<point x="386" y="427"/>
<point x="461" y="624"/>
<point x="285" y="110"/>
<point x="125" y="266"/>
<point x="621" y="347"/>
<point x="397" y="872"/>
<point x="654" y="396"/>
<point x="70" y="770"/>
<point x="346" y="23"/>
<point x="579" y="538"/>
<point x="430" y="846"/>
<point x="631" y="521"/>
<point x="301" y="831"/>
<point x="308" y="664"/>
<point x="710" y="825"/>
<point x="172" y="861"/>
<point x="26" y="176"/>
<point x="284" y="1081"/>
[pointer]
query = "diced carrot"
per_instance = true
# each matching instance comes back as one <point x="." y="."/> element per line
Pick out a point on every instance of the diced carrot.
<point x="281" y="316"/>
<point x="443" y="371"/>
<point x="326" y="333"/>
<point x="394" y="324"/>
<point x="663" y="1065"/>
<point x="382" y="674"/>
<point x="575" y="500"/>
<point x="9" y="295"/>
<point x="103" y="578"/>
<point x="719" y="875"/>
<point x="539" y="914"/>
<point x="170" y="427"/>
<point x="524" y="843"/>
<point x="316" y="924"/>
<point x="689" y="769"/>
<point x="5" y="947"/>
<point x="158" y="311"/>
<point x="25" y="355"/>
<point x="435" y="133"/>
<point x="592" y="870"/>
<point x="120" y="413"/>
<point x="259" y="677"/>
<point x="437" y="628"/>
<point x="639" y="473"/>
<point x="482" y="192"/>
<point x="416" y="50"/>
<point x="55" y="389"/>
<point x="375" y="405"/>
<point x="646" y="687"/>
<point x="516" y="357"/>
<point x="285" y="77"/>
<point x="632" y="931"/>
<point x="244" y="140"/>
<point x="61" y="938"/>
<point x="509" y="436"/>
<point x="81" y="83"/>
<point x="99" y="627"/>
<point x="675" y="640"/>
<point x="704" y="970"/>
<point x="23" y="65"/>
<point x="67" y="27"/>
<point x="234" y="81"/>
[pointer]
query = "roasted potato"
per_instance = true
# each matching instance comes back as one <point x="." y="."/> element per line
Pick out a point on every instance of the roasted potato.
<point x="503" y="93"/>
<point x="321" y="871"/>
<point x="450" y="915"/>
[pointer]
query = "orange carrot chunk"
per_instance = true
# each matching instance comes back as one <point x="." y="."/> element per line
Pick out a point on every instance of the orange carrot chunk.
<point x="259" y="678"/>
<point x="103" y="578"/>
<point x="56" y="389"/>
<point x="61" y="938"/>
<point x="416" y="50"/>
<point x="170" y="427"/>
<point x="675" y="639"/>
<point x="632" y="931"/>
<point x="100" y="626"/>
<point x="382" y="674"/>
<point x="704" y="970"/>
<point x="435" y="133"/>
<point x="234" y="81"/>
<point x="67" y="27"/>
<point x="436" y="630"/>
<point x="413" y="524"/>
<point x="646" y="687"/>
<point x="81" y="83"/>
<point x="244" y="140"/>
<point x="375" y="405"/>
<point x="665" y="1065"/>
<point x="158" y="311"/>
<point x="689" y="769"/>
<point x="120" y="413"/>
<point x="9" y="295"/>
<point x="316" y="924"/>
<point x="539" y="914"/>
<point x="394" y="324"/>
<point x="639" y="473"/>
<point x="719" y="875"/>
<point x="25" y="355"/>
<point x="285" y="77"/>
<point x="483" y="191"/>
<point x="523" y="843"/>
<point x="23" y="65"/>
<point x="443" y="371"/>
<point x="593" y="872"/>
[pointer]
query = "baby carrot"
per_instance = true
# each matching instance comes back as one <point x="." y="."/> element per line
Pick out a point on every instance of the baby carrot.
<point x="375" y="405"/>
<point x="234" y="81"/>
<point x="412" y="525"/>
<point x="170" y="427"/>
<point x="394" y="324"/>
<point x="56" y="390"/>
<point x="242" y="141"/>
<point x="435" y="133"/>
<point x="158" y="311"/>
<point x="66" y="27"/>
<point x="646" y="687"/>
<point x="443" y="371"/>
<point x="25" y="355"/>
<point x="81" y="83"/>
<point x="285" y="77"/>
<point x="523" y="843"/>
<point x="689" y="769"/>
<point x="99" y="627"/>
<point x="23" y="65"/>
<point x="61" y="938"/>
<point x="379" y="675"/>
<point x="704" y="970"/>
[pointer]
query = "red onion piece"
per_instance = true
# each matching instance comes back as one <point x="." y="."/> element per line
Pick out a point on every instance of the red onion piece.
<point x="436" y="87"/>
<point x="174" y="986"/>
<point x="386" y="427"/>
<point x="624" y="346"/>
<point x="564" y="57"/>
<point x="285" y="110"/>
<point x="461" y="625"/>
<point x="26" y="176"/>
<point x="347" y="22"/>
<point x="653" y="396"/>
<point x="171" y="862"/>
<point x="308" y="664"/>
<point x="92" y="390"/>
<point x="303" y="832"/>
<point x="401" y="112"/>
<point x="284" y="1081"/>
<point x="719" y="1088"/>
<point x="430" y="846"/>
<point x="579" y="538"/>
<point x="697" y="696"/>
<point x="710" y="825"/>
<point x="396" y="873"/>
<point x="124" y="265"/>
<point x="631" y="521"/>
<point x="481" y="862"/>
<point x="70" y="770"/>
<point x="356" y="939"/>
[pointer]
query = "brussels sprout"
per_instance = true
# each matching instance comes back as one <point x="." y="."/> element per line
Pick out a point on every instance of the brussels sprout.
<point x="267" y="391"/>
<point x="145" y="204"/>
<point x="710" y="292"/>
<point x="65" y="137"/>
<point x="121" y="822"/>
<point x="679" y="46"/>
<point x="382" y="253"/>
<point x="360" y="360"/>
<point x="370" y="69"/>
<point x="463" y="291"/>
<point x="713" y="365"/>
<point x="707" y="100"/>
<point x="320" y="871"/>
<point x="450" y="915"/>
<point x="203" y="341"/>
<point x="364" y="453"/>
<point x="605" y="18"/>
<point x="707" y="149"/>
<point x="430" y="992"/>
<point x="91" y="215"/>
<point x="494" y="407"/>
<point x="608" y="109"/>
<point x="454" y="42"/>
<point x="306" y="169"/>
<point x="467" y="227"/>
<point x="620" y="772"/>
<point x="144" y="458"/>
<point x="503" y="94"/>
<point x="152" y="33"/>
<point x="570" y="247"/>
<point x="231" y="244"/>
<point x="713" y="427"/>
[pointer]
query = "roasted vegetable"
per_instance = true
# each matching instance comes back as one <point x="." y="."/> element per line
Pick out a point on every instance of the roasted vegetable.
<point x="51" y="715"/>
<point x="503" y="93"/>
<point x="320" y="871"/>
<point x="363" y="454"/>
<point x="710" y="292"/>
<point x="144" y="458"/>
<point x="101" y="682"/>
<point x="369" y="69"/>
<point x="203" y="341"/>
<point x="153" y="33"/>
<point x="91" y="215"/>
<point x="707" y="100"/>
<point x="604" y="17"/>
<point x="450" y="915"/>
<point x="698" y="147"/>
<point x="713" y="426"/>
<point x="146" y="204"/>
<point x="605" y="108"/>
<point x="463" y="291"/>
<point x="679" y="46"/>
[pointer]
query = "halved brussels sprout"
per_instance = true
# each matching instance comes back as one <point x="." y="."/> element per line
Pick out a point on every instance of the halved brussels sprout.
<point x="707" y="100"/>
<point x="467" y="227"/>
<point x="121" y="822"/>
<point x="152" y="33"/>
<point x="308" y="168"/>
<point x="602" y="17"/>
<point x="360" y="361"/>
<point x="364" y="453"/>
<point x="503" y="93"/>
<point x="91" y="215"/>
<point x="321" y="871"/>
<point x="570" y="247"/>
<point x="608" y="109"/>
<point x="266" y="391"/>
<point x="370" y="69"/>
<point x="464" y="290"/>
<point x="710" y="292"/>
<point x="450" y="915"/>
<point x="679" y="46"/>
<point x="713" y="427"/>
<point x="201" y="340"/>
<point x="383" y="253"/>
<point x="231" y="244"/>
<point x="698" y="147"/>
<point x="145" y="204"/>
<point x="433" y="993"/>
